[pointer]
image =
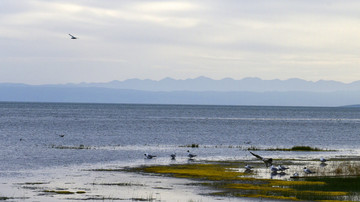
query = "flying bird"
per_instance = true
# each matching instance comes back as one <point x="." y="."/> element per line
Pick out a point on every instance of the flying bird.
<point x="73" y="37"/>
<point x="148" y="156"/>
<point x="268" y="162"/>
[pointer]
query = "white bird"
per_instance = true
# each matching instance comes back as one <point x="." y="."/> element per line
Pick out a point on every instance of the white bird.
<point x="268" y="162"/>
<point x="148" y="156"/>
<point x="248" y="167"/>
<point x="307" y="171"/>
<point x="282" y="168"/>
<point x="73" y="37"/>
<point x="190" y="155"/>
<point x="173" y="156"/>
<point x="273" y="169"/>
<point x="322" y="160"/>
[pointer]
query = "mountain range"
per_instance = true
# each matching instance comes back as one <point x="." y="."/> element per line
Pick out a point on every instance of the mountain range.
<point x="201" y="90"/>
<point x="227" y="85"/>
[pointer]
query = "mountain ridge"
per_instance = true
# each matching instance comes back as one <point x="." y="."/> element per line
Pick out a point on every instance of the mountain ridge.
<point x="108" y="95"/>
<point x="252" y="84"/>
<point x="252" y="91"/>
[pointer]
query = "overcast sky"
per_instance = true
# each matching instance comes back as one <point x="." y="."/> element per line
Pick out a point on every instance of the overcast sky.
<point x="146" y="39"/>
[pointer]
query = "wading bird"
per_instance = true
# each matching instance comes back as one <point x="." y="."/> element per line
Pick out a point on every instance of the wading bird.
<point x="148" y="156"/>
<point x="307" y="171"/>
<point x="190" y="155"/>
<point x="248" y="167"/>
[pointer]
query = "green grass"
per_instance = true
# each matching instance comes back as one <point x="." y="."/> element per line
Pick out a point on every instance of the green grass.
<point x="227" y="181"/>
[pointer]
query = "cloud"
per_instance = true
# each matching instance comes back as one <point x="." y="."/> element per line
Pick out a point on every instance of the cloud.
<point x="187" y="38"/>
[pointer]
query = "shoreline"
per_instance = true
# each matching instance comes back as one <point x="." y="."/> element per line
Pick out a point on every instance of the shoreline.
<point x="114" y="182"/>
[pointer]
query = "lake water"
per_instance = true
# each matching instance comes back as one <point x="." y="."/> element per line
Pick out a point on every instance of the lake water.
<point x="48" y="135"/>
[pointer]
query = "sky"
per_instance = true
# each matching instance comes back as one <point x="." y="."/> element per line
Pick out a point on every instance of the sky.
<point x="181" y="39"/>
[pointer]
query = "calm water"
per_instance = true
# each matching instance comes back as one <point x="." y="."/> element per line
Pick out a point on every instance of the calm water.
<point x="30" y="132"/>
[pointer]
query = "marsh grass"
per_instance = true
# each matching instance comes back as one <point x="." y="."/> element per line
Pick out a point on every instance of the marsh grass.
<point x="59" y="192"/>
<point x="226" y="179"/>
<point x="347" y="168"/>
<point x="70" y="147"/>
<point x="122" y="184"/>
<point x="294" y="148"/>
<point x="195" y="171"/>
<point x="190" y="145"/>
<point x="63" y="192"/>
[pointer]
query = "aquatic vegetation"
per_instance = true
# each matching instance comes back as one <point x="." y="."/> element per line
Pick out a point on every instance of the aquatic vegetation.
<point x="33" y="183"/>
<point x="118" y="184"/>
<point x="228" y="181"/>
<point x="190" y="145"/>
<point x="198" y="171"/>
<point x="70" y="147"/>
<point x="59" y="191"/>
<point x="347" y="168"/>
<point x="64" y="192"/>
<point x="108" y="170"/>
<point x="294" y="148"/>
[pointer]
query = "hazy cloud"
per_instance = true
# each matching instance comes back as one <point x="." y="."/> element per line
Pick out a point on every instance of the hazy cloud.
<point x="118" y="40"/>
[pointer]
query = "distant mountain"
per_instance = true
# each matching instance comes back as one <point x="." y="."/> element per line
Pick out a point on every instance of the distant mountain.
<point x="27" y="93"/>
<point x="226" y="85"/>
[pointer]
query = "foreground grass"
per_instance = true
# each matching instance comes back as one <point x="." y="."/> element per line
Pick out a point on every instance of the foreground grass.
<point x="225" y="180"/>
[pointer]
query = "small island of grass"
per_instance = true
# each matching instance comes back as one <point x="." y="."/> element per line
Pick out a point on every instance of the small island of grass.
<point x="226" y="179"/>
<point x="294" y="148"/>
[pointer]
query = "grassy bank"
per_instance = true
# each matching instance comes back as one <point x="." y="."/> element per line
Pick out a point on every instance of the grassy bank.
<point x="226" y="179"/>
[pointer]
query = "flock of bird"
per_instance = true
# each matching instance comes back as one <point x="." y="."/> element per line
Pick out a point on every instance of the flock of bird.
<point x="248" y="168"/>
<point x="274" y="170"/>
<point x="173" y="155"/>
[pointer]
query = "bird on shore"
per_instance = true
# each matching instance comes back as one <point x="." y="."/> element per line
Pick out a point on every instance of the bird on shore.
<point x="274" y="169"/>
<point x="173" y="156"/>
<point x="295" y="175"/>
<point x="268" y="162"/>
<point x="248" y="167"/>
<point x="282" y="168"/>
<point x="73" y="37"/>
<point x="308" y="171"/>
<point x="148" y="156"/>
<point x="322" y="160"/>
<point x="190" y="155"/>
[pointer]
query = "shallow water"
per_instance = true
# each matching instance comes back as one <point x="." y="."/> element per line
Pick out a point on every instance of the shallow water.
<point x="47" y="136"/>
